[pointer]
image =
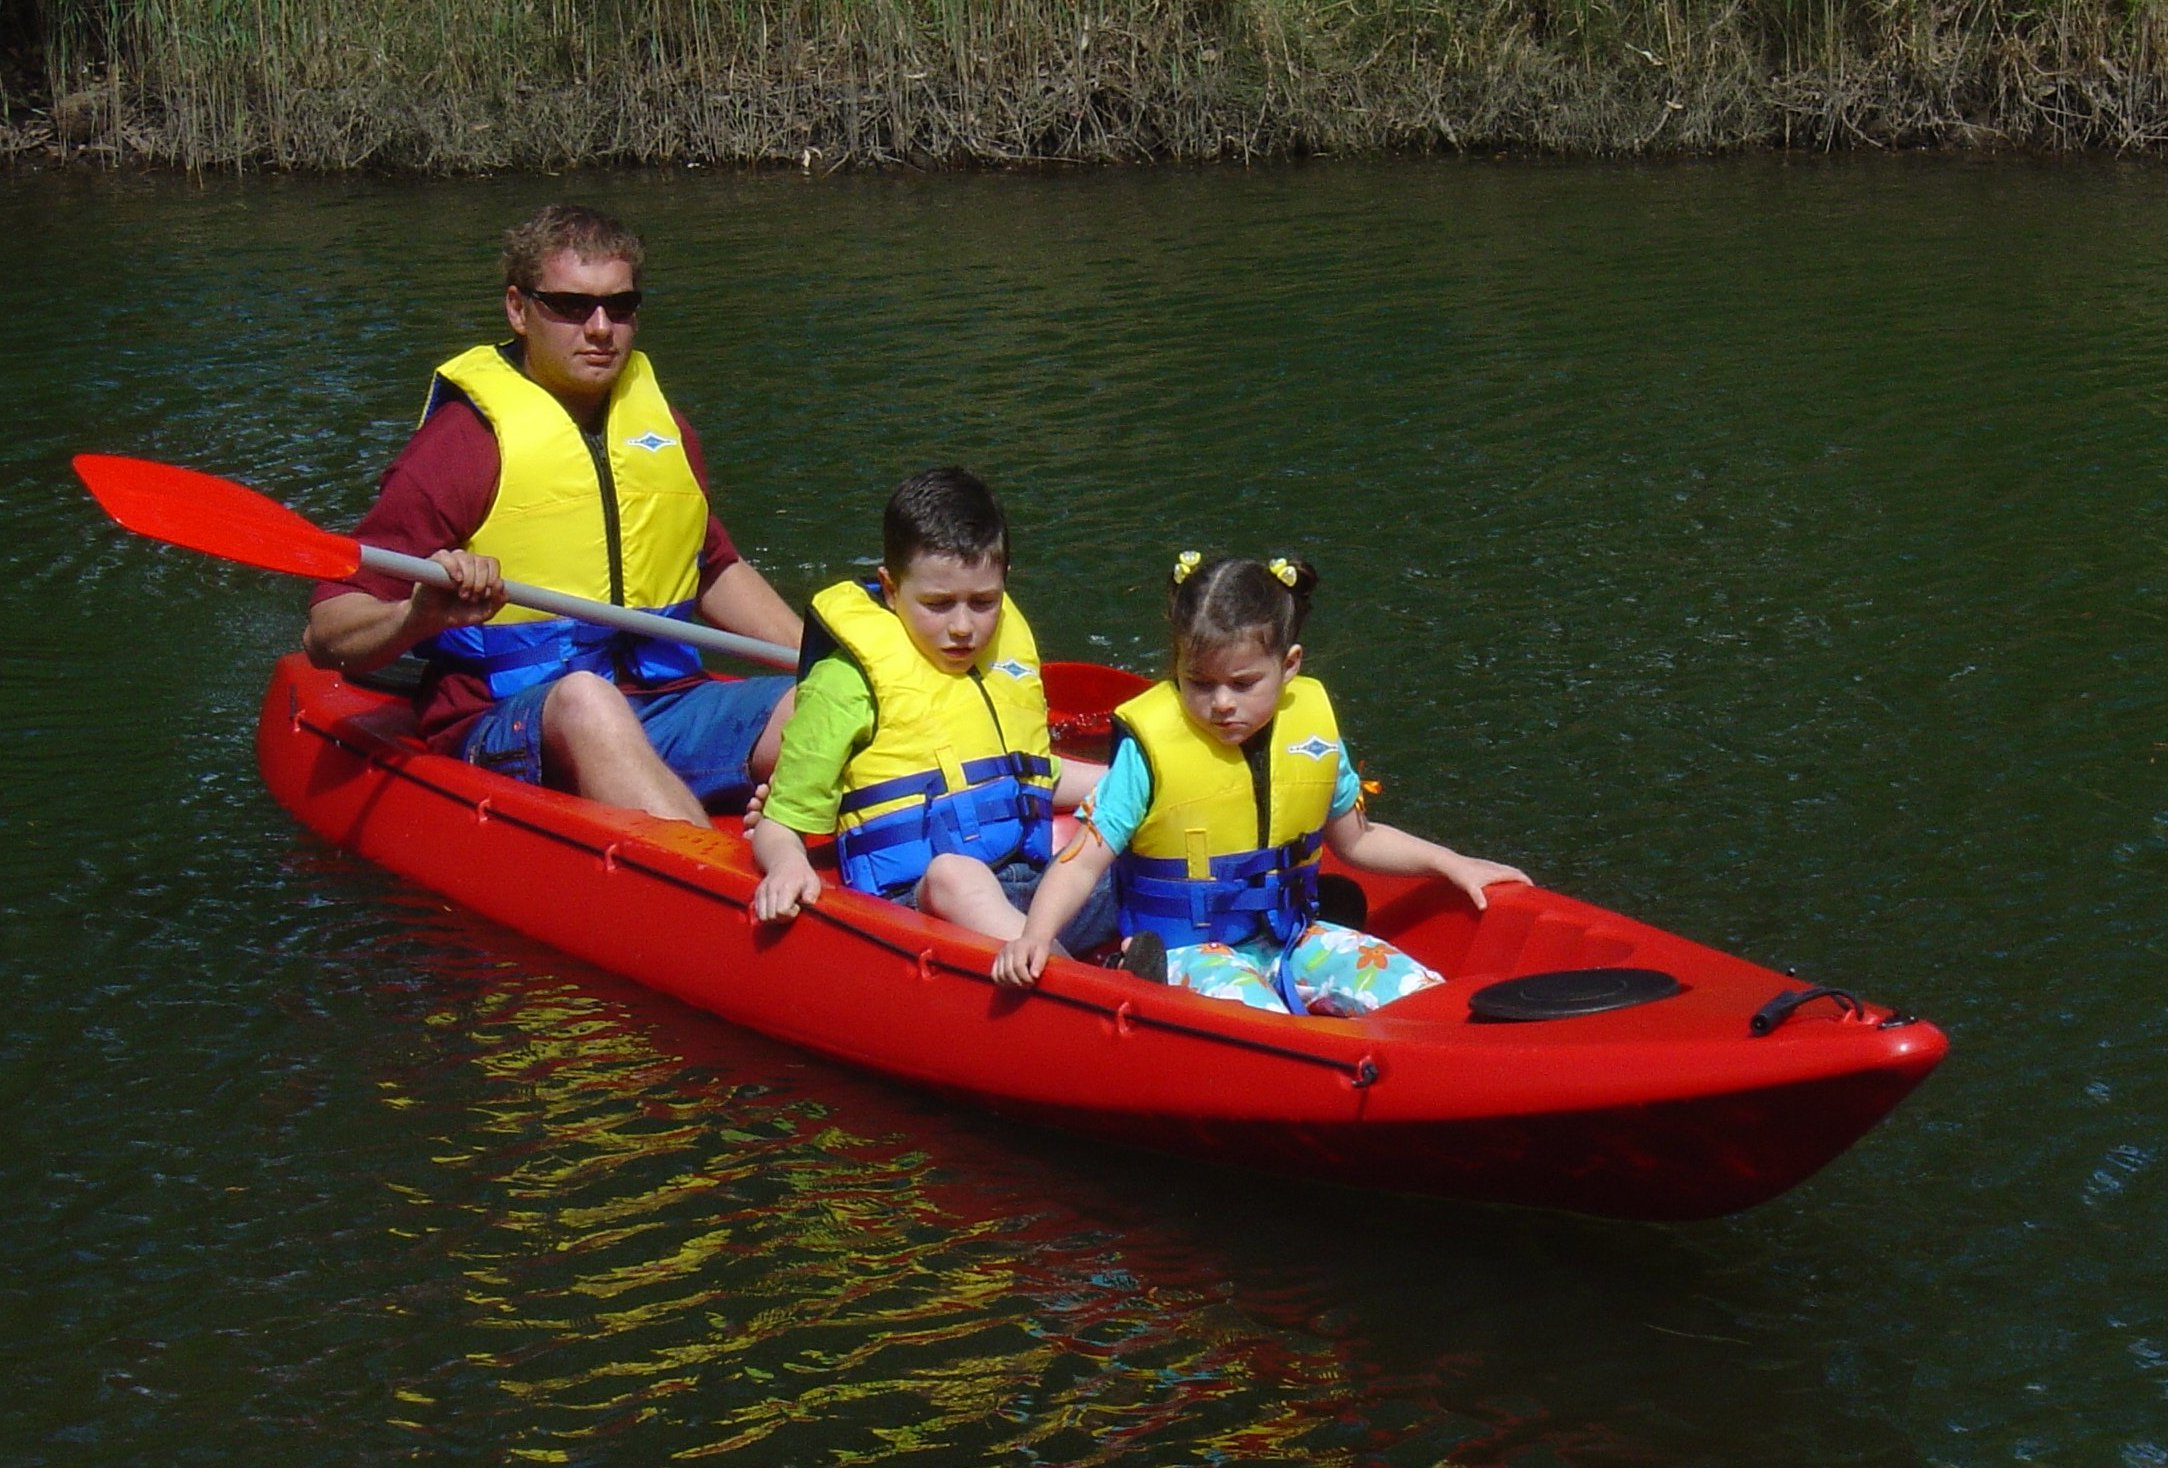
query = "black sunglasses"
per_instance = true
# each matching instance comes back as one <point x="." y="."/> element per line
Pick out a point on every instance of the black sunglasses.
<point x="578" y="306"/>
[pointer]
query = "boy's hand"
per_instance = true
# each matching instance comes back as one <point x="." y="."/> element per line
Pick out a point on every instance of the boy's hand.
<point x="784" y="891"/>
<point x="1021" y="961"/>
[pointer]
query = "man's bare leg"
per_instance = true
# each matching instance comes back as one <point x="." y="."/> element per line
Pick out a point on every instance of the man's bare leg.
<point x="760" y="764"/>
<point x="593" y="744"/>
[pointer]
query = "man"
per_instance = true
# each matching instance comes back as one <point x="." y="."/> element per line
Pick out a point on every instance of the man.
<point x="555" y="460"/>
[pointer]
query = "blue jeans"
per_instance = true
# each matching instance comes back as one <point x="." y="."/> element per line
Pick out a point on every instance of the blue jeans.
<point x="705" y="732"/>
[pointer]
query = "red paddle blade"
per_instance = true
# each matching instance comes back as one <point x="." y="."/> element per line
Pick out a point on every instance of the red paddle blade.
<point x="216" y="516"/>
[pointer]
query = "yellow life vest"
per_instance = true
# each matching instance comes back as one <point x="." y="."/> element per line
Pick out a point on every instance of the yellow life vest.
<point x="958" y="762"/>
<point x="1217" y="859"/>
<point x="620" y="519"/>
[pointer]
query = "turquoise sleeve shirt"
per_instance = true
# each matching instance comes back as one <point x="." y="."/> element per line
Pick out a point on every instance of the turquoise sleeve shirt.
<point x="1117" y="807"/>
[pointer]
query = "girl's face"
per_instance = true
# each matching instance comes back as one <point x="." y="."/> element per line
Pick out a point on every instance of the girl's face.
<point x="1230" y="691"/>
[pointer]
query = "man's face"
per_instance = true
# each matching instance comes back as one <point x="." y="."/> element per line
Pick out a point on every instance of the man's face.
<point x="949" y="608"/>
<point x="577" y="361"/>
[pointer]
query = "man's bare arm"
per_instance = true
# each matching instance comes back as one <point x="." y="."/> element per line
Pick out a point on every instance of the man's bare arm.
<point x="357" y="632"/>
<point x="741" y="600"/>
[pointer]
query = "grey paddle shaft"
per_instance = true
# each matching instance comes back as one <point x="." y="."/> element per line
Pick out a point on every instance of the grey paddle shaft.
<point x="541" y="599"/>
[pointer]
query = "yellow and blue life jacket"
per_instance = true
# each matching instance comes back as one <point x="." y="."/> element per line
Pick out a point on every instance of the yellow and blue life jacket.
<point x="1227" y="850"/>
<point x="619" y="518"/>
<point x="958" y="762"/>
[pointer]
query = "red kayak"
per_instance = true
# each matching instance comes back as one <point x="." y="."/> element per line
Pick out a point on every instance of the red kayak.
<point x="1577" y="1059"/>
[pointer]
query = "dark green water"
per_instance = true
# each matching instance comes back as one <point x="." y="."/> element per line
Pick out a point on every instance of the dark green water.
<point x="1770" y="550"/>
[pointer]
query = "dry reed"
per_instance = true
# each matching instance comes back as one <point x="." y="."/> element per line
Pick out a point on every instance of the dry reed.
<point x="471" y="85"/>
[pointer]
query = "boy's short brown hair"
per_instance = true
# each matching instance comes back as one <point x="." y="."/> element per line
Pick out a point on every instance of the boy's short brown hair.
<point x="943" y="512"/>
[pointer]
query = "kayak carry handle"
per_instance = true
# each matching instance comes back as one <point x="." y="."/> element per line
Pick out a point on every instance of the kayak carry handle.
<point x="1781" y="1008"/>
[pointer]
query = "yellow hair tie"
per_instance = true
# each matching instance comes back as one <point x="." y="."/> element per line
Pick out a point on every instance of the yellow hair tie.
<point x="1185" y="563"/>
<point x="1279" y="567"/>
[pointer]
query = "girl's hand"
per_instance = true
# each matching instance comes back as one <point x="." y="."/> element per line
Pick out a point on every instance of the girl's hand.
<point x="1471" y="874"/>
<point x="784" y="891"/>
<point x="1020" y="962"/>
<point x="753" y="803"/>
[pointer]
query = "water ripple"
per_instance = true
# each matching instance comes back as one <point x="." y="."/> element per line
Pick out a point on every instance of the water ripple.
<point x="1770" y="548"/>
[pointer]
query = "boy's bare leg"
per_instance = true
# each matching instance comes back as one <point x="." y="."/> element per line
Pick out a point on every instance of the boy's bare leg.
<point x="964" y="890"/>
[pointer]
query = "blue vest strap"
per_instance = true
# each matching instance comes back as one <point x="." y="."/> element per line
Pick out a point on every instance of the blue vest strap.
<point x="1271" y="891"/>
<point x="514" y="656"/>
<point x="930" y="784"/>
<point x="1239" y="867"/>
<point x="996" y="822"/>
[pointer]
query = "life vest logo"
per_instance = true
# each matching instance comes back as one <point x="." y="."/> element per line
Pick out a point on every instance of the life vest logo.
<point x="1314" y="747"/>
<point x="652" y="441"/>
<point x="1010" y="667"/>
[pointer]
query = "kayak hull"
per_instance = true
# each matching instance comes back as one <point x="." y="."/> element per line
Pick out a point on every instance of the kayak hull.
<point x="1672" y="1109"/>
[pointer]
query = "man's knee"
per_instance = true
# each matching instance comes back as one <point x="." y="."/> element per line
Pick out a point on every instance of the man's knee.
<point x="584" y="707"/>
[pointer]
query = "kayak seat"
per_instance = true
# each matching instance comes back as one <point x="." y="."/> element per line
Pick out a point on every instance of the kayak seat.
<point x="1341" y="899"/>
<point x="402" y="675"/>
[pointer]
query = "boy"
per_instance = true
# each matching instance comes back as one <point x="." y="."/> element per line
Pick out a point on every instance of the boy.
<point x="920" y="736"/>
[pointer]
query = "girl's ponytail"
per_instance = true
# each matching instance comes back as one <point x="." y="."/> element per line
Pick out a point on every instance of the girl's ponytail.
<point x="1213" y="604"/>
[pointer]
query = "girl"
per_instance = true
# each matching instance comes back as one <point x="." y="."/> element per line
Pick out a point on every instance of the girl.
<point x="1226" y="782"/>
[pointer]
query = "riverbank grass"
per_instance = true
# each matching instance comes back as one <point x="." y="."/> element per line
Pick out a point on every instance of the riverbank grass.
<point x="472" y="85"/>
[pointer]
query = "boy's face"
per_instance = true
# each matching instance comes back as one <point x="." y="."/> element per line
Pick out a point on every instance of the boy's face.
<point x="949" y="608"/>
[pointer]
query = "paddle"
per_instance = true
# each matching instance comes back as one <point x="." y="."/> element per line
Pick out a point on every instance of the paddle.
<point x="218" y="517"/>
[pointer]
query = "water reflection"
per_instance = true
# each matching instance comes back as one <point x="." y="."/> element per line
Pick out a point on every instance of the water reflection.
<point x="733" y="1263"/>
<point x="645" y="1221"/>
<point x="1770" y="550"/>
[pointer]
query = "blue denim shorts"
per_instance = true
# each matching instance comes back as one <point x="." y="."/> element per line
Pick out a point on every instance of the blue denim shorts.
<point x="1094" y="926"/>
<point x="703" y="731"/>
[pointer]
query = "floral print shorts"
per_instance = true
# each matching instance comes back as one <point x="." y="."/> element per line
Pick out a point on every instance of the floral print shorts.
<point x="1338" y="971"/>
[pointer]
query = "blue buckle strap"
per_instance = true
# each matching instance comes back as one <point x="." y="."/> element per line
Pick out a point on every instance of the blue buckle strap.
<point x="1023" y="766"/>
<point x="488" y="665"/>
<point x="1271" y="892"/>
<point x="930" y="783"/>
<point x="1242" y="866"/>
<point x="996" y="823"/>
<point x="1283" y="971"/>
<point x="911" y="823"/>
<point x="519" y="655"/>
<point x="926" y="784"/>
<point x="1206" y="902"/>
